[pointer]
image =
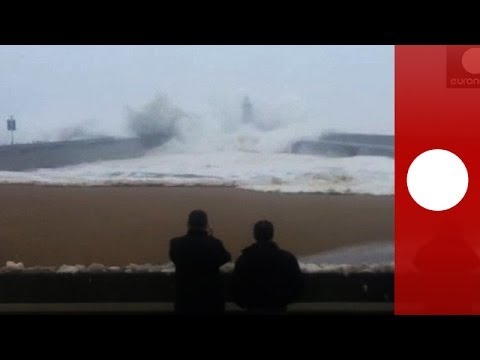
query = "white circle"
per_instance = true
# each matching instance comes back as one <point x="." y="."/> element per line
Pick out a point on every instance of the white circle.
<point x="437" y="180"/>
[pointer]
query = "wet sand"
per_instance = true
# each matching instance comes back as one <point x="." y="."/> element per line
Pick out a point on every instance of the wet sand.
<point x="51" y="226"/>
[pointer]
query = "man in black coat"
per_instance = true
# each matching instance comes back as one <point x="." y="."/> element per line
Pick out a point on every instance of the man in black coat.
<point x="197" y="257"/>
<point x="266" y="278"/>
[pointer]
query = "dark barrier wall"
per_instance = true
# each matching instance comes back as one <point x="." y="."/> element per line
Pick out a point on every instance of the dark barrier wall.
<point x="347" y="145"/>
<point x="159" y="287"/>
<point x="57" y="154"/>
<point x="365" y="139"/>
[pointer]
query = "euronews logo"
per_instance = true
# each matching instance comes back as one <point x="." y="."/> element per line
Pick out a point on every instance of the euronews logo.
<point x="463" y="66"/>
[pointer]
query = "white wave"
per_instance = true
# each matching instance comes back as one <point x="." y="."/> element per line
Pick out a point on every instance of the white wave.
<point x="282" y="172"/>
<point x="207" y="137"/>
<point x="358" y="255"/>
<point x="222" y="152"/>
<point x="346" y="268"/>
<point x="371" y="258"/>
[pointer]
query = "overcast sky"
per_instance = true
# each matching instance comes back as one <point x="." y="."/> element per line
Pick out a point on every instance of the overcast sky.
<point x="48" y="88"/>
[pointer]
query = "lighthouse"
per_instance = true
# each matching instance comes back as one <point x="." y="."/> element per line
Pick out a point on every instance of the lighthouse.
<point x="247" y="111"/>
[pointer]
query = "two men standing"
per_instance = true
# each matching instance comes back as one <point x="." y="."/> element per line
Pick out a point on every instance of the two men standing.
<point x="265" y="279"/>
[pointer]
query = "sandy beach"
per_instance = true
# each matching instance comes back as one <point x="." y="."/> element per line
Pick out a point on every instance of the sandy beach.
<point x="51" y="226"/>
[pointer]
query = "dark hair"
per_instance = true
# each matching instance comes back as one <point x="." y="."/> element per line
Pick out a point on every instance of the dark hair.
<point x="197" y="219"/>
<point x="263" y="231"/>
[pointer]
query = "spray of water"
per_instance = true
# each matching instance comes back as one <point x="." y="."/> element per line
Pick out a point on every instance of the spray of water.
<point x="275" y="127"/>
<point x="157" y="121"/>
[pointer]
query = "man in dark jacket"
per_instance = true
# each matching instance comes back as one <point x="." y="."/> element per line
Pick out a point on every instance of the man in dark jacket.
<point x="266" y="279"/>
<point x="197" y="257"/>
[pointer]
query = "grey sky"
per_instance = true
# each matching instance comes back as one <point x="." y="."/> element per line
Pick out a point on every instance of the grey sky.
<point x="48" y="88"/>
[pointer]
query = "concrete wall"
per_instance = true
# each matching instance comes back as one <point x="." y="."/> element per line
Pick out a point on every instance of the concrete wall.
<point x="345" y="145"/>
<point x="18" y="287"/>
<point x="57" y="154"/>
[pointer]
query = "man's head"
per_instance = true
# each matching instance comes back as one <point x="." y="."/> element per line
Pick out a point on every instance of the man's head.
<point x="198" y="219"/>
<point x="263" y="231"/>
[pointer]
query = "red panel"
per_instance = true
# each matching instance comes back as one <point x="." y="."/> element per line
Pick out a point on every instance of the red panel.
<point x="436" y="261"/>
